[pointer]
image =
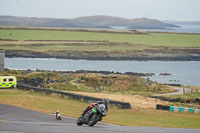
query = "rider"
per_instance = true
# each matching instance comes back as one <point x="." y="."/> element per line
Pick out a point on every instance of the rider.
<point x="104" y="101"/>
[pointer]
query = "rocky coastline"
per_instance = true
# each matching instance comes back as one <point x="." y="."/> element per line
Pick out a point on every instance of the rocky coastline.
<point x="97" y="72"/>
<point x="102" y="56"/>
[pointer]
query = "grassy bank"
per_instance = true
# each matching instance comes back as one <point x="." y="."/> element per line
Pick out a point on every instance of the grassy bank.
<point x="73" y="108"/>
<point x="91" y="82"/>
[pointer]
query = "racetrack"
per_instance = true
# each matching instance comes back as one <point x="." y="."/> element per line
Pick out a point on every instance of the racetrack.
<point x="18" y="120"/>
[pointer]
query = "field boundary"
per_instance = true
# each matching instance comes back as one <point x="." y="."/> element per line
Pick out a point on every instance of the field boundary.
<point x="112" y="31"/>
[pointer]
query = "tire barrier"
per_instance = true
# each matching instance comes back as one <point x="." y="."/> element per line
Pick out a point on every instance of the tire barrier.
<point x="162" y="107"/>
<point x="120" y="105"/>
<point x="177" y="109"/>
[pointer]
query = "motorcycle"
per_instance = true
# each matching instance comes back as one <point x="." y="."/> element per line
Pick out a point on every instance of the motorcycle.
<point x="58" y="116"/>
<point x="92" y="116"/>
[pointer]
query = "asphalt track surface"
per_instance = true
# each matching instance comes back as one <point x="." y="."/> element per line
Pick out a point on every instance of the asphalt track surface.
<point x="18" y="120"/>
<point x="179" y="91"/>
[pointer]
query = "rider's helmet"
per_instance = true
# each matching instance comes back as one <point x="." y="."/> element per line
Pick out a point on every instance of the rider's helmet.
<point x="105" y="101"/>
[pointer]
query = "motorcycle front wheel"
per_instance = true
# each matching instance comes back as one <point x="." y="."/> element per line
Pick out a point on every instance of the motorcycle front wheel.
<point x="94" y="119"/>
<point x="79" y="122"/>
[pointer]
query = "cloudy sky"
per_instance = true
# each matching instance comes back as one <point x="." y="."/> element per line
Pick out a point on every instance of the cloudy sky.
<point x="182" y="10"/>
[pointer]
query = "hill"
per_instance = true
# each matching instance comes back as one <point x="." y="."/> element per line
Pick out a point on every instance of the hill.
<point x="98" y="21"/>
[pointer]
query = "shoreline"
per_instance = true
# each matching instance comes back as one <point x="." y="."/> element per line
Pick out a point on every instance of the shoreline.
<point x="188" y="58"/>
<point x="90" y="71"/>
<point x="100" y="56"/>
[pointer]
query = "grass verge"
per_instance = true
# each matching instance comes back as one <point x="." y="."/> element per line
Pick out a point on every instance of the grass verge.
<point x="73" y="108"/>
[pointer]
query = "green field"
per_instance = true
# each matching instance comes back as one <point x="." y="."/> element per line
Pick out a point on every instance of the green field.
<point x="73" y="108"/>
<point x="98" y="44"/>
<point x="153" y="39"/>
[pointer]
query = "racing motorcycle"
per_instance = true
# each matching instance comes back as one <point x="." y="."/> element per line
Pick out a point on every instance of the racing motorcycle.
<point x="58" y="116"/>
<point x="92" y="116"/>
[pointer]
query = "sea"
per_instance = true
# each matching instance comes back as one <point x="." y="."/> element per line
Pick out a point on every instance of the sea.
<point x="181" y="29"/>
<point x="181" y="72"/>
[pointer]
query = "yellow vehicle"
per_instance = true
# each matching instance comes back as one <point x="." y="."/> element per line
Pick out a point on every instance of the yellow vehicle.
<point x="8" y="81"/>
